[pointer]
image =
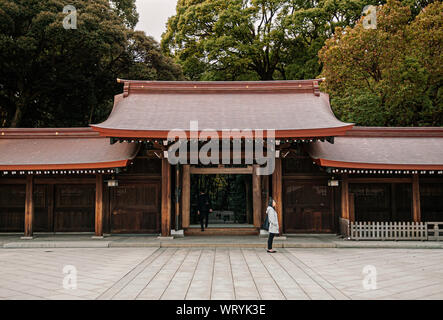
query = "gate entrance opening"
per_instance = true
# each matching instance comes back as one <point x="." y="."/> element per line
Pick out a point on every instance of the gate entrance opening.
<point x="230" y="196"/>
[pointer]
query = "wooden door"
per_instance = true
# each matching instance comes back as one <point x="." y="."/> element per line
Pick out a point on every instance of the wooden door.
<point x="135" y="207"/>
<point x="74" y="209"/>
<point x="43" y="208"/>
<point x="307" y="206"/>
<point x="12" y="207"/>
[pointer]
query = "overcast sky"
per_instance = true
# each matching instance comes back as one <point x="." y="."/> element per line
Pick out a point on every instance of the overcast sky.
<point x="153" y="16"/>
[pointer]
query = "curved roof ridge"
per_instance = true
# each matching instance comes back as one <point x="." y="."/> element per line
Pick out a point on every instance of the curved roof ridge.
<point x="273" y="86"/>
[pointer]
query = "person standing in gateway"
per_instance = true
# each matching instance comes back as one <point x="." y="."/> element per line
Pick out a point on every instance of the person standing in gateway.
<point x="204" y="207"/>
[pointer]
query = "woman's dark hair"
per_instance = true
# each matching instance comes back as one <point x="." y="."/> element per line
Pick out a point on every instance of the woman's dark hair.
<point x="270" y="202"/>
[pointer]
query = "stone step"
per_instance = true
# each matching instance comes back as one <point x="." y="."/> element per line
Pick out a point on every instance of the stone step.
<point x="222" y="231"/>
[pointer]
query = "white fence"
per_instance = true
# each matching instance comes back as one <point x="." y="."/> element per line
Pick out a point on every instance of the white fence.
<point x="389" y="231"/>
<point x="435" y="231"/>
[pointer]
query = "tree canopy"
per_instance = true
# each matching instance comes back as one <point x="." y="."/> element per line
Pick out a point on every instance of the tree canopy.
<point x="387" y="76"/>
<point x="255" y="39"/>
<point x="391" y="75"/>
<point x="51" y="76"/>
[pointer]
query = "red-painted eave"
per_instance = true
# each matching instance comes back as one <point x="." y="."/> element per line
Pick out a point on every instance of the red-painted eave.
<point x="386" y="166"/>
<point x="42" y="133"/>
<point x="73" y="166"/>
<point x="279" y="134"/>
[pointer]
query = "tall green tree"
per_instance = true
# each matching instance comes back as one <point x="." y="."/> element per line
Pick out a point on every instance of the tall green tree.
<point x="391" y="75"/>
<point x="311" y="23"/>
<point x="254" y="39"/>
<point x="258" y="39"/>
<point x="52" y="76"/>
<point x="217" y="39"/>
<point x="127" y="10"/>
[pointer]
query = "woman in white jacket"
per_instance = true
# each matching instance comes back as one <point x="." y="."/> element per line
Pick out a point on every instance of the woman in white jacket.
<point x="274" y="228"/>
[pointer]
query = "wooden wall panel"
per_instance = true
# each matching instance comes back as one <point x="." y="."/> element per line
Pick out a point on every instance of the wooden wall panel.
<point x="402" y="202"/>
<point x="12" y="207"/>
<point x="106" y="210"/>
<point x="308" y="206"/>
<point x="43" y="208"/>
<point x="74" y="209"/>
<point x="372" y="202"/>
<point x="431" y="199"/>
<point x="135" y="207"/>
<point x="377" y="202"/>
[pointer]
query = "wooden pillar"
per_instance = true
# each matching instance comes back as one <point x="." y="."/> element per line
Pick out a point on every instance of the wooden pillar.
<point x="256" y="197"/>
<point x="166" y="199"/>
<point x="345" y="197"/>
<point x="416" y="209"/>
<point x="277" y="192"/>
<point x="29" y="207"/>
<point x="177" y="196"/>
<point x="99" y="205"/>
<point x="186" y="196"/>
<point x="265" y="196"/>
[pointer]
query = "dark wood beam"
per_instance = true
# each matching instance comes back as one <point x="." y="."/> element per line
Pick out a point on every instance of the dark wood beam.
<point x="166" y="199"/>
<point x="380" y="180"/>
<point x="21" y="180"/>
<point x="416" y="209"/>
<point x="223" y="170"/>
<point x="186" y="196"/>
<point x="277" y="191"/>
<point x="264" y="196"/>
<point x="345" y="197"/>
<point x="29" y="207"/>
<point x="99" y="205"/>
<point x="256" y="197"/>
<point x="177" y="197"/>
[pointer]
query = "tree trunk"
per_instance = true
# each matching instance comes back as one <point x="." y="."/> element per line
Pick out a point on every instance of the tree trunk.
<point x="267" y="75"/>
<point x="17" y="116"/>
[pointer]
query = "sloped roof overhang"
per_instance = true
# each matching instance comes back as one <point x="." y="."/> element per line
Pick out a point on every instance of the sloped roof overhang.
<point x="383" y="148"/>
<point x="151" y="109"/>
<point x="61" y="149"/>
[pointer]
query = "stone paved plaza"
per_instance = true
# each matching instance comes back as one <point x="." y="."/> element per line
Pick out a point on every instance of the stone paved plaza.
<point x="219" y="273"/>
